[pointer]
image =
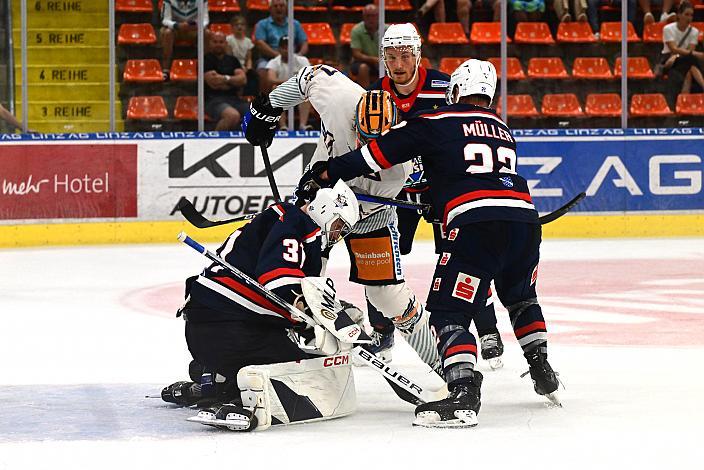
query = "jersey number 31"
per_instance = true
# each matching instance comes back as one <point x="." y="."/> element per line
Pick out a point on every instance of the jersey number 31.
<point x="481" y="159"/>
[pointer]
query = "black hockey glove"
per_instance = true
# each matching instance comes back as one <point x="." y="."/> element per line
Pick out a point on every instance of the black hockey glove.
<point x="311" y="182"/>
<point x="260" y="123"/>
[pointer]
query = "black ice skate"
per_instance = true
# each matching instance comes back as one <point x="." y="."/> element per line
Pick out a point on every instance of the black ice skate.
<point x="182" y="393"/>
<point x="545" y="380"/>
<point x="458" y="410"/>
<point x="381" y="345"/>
<point x="231" y="416"/>
<point x="492" y="349"/>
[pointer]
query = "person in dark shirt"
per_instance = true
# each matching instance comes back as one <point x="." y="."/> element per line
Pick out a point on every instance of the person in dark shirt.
<point x="493" y="232"/>
<point x="224" y="76"/>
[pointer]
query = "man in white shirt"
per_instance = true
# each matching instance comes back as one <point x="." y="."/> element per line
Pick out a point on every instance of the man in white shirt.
<point x="278" y="72"/>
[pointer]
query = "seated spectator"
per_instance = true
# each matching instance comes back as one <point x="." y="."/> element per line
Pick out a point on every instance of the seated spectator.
<point x="527" y="10"/>
<point x="223" y="76"/>
<point x="267" y="34"/>
<point x="278" y="72"/>
<point x="463" y="8"/>
<point x="566" y="10"/>
<point x="239" y="44"/>
<point x="679" y="58"/>
<point x="364" y="42"/>
<point x="179" y="22"/>
<point x="667" y="15"/>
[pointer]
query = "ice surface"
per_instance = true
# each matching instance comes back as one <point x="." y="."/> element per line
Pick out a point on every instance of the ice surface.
<point x="86" y="333"/>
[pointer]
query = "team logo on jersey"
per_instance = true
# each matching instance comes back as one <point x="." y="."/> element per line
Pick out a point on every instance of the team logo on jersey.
<point x="341" y="201"/>
<point x="506" y="181"/>
<point x="534" y="275"/>
<point x="445" y="258"/>
<point x="466" y="287"/>
<point x="439" y="83"/>
<point x="453" y="234"/>
<point x="436" y="283"/>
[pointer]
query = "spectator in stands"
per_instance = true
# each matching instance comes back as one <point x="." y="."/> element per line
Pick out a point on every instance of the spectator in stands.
<point x="179" y="21"/>
<point x="223" y="76"/>
<point x="239" y="44"/>
<point x="667" y="15"/>
<point x="566" y="10"/>
<point x="278" y="72"/>
<point x="267" y="34"/>
<point x="463" y="8"/>
<point x="593" y="11"/>
<point x="527" y="10"/>
<point x="678" y="54"/>
<point x="364" y="42"/>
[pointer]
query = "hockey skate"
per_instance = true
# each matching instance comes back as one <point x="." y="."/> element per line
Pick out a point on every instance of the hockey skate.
<point x="231" y="416"/>
<point x="545" y="380"/>
<point x="381" y="345"/>
<point x="492" y="349"/>
<point x="182" y="393"/>
<point x="458" y="410"/>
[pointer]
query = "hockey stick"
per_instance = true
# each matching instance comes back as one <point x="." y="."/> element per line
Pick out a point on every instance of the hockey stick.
<point x="399" y="381"/>
<point x="557" y="213"/>
<point x="387" y="201"/>
<point x="195" y="218"/>
<point x="270" y="173"/>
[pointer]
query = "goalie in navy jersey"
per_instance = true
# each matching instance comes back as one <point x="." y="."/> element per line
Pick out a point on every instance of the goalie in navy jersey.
<point x="230" y="326"/>
<point x="416" y="89"/>
<point x="493" y="232"/>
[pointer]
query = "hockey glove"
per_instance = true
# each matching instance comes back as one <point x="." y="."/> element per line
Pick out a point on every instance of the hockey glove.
<point x="260" y="122"/>
<point x="311" y="182"/>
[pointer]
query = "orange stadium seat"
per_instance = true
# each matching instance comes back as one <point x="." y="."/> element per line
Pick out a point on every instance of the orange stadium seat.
<point x="184" y="70"/>
<point x="650" y="104"/>
<point x="136" y="34"/>
<point x="638" y="67"/>
<point x="486" y="33"/>
<point x="603" y="105"/>
<point x="134" y="6"/>
<point x="447" y="33"/>
<point x="576" y="32"/>
<point x="147" y="108"/>
<point x="425" y="62"/>
<point x="143" y="71"/>
<point x="319" y="34"/>
<point x="346" y="33"/>
<point x="354" y="9"/>
<point x="690" y="104"/>
<point x="562" y="105"/>
<point x="260" y="5"/>
<point x="591" y="68"/>
<point x="398" y="5"/>
<point x="223" y="6"/>
<point x="515" y="70"/>
<point x="186" y="108"/>
<point x="521" y="106"/>
<point x="310" y="8"/>
<point x="698" y="4"/>
<point x="611" y="32"/>
<point x="449" y="64"/>
<point x="316" y="61"/>
<point x="224" y="28"/>
<point x="533" y="33"/>
<point x="653" y="32"/>
<point x="546" y="67"/>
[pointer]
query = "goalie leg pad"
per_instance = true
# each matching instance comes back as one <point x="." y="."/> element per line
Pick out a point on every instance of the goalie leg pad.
<point x="295" y="392"/>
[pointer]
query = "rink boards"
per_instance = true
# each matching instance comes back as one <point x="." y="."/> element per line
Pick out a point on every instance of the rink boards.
<point x="123" y="188"/>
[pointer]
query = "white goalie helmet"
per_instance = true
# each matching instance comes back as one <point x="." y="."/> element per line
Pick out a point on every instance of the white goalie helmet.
<point x="399" y="36"/>
<point x="335" y="210"/>
<point x="473" y="77"/>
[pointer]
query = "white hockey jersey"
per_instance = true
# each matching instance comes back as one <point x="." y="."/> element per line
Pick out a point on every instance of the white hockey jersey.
<point x="335" y="97"/>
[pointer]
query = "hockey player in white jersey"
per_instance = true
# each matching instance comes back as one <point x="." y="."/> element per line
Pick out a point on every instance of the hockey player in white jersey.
<point x="351" y="117"/>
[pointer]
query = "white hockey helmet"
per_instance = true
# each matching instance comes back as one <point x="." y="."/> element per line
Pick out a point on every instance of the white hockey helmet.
<point x="335" y="210"/>
<point x="400" y="36"/>
<point x="472" y="77"/>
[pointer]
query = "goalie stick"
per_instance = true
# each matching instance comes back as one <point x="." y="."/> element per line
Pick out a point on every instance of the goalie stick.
<point x="557" y="213"/>
<point x="404" y="387"/>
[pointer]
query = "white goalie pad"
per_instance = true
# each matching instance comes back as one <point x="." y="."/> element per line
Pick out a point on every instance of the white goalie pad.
<point x="296" y="392"/>
<point x="329" y="312"/>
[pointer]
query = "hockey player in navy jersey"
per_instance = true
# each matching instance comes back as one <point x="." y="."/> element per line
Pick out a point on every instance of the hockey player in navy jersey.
<point x="492" y="228"/>
<point x="230" y="326"/>
<point x="416" y="89"/>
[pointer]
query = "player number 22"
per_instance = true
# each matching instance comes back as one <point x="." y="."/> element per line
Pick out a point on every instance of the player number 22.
<point x="481" y="159"/>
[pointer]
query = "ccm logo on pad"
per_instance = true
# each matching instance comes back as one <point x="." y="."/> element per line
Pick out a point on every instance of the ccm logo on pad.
<point x="465" y="287"/>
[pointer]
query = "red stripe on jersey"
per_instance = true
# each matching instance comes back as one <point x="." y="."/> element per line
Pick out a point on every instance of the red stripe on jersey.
<point x="278" y="208"/>
<point x="461" y="113"/>
<point x="378" y="155"/>
<point x="253" y="296"/>
<point x="470" y="348"/>
<point x="484" y="194"/>
<point x="529" y="328"/>
<point x="405" y="104"/>
<point x="280" y="272"/>
<point x="312" y="234"/>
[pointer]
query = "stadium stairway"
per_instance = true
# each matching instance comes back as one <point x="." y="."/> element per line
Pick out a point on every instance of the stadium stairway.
<point x="67" y="65"/>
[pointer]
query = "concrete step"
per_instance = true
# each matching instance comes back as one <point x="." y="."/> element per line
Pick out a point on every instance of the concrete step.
<point x="54" y="20"/>
<point x="66" y="92"/>
<point x="71" y="111"/>
<point x="63" y="37"/>
<point x="67" y="74"/>
<point x="49" y="55"/>
<point x="60" y="7"/>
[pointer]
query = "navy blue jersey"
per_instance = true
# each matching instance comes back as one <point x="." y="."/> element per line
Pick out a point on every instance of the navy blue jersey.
<point x="428" y="95"/>
<point x="277" y="248"/>
<point x="469" y="157"/>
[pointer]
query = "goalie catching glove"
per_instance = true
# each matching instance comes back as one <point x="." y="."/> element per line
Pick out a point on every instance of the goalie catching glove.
<point x="260" y="123"/>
